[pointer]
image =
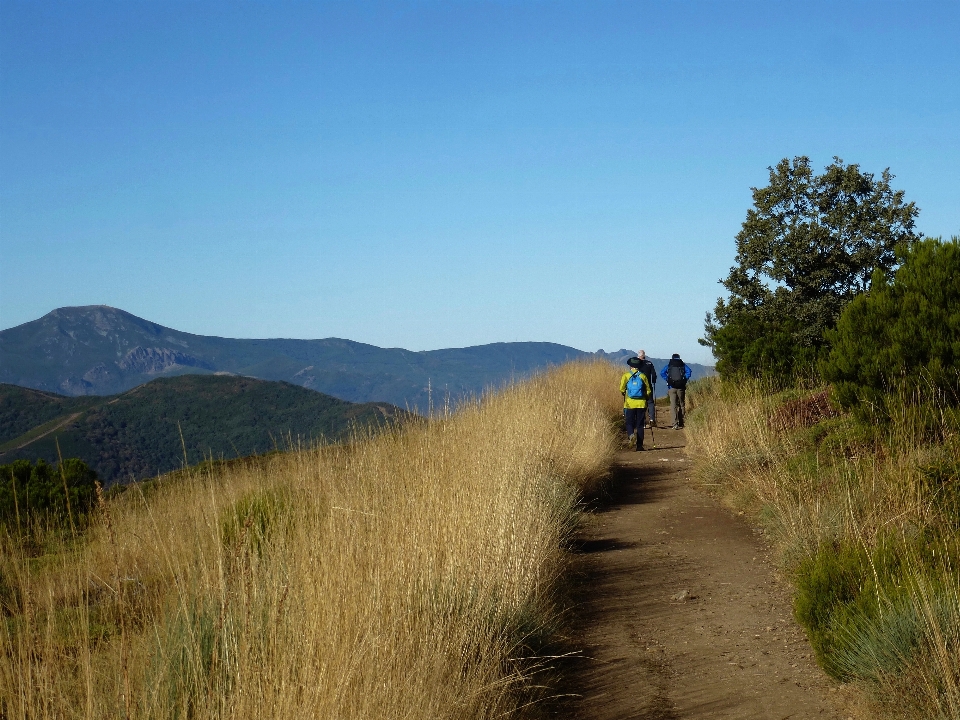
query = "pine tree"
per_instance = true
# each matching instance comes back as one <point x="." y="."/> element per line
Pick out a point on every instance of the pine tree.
<point x="902" y="335"/>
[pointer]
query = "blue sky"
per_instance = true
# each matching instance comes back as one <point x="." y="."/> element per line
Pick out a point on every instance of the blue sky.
<point x="430" y="175"/>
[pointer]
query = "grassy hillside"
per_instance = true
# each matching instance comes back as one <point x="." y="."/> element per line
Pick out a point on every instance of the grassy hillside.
<point x="410" y="575"/>
<point x="146" y="431"/>
<point x="867" y="520"/>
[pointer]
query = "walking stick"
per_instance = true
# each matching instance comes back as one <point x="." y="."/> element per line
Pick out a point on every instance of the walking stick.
<point x="653" y="438"/>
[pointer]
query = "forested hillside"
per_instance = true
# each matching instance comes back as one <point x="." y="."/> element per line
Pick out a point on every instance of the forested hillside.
<point x="147" y="430"/>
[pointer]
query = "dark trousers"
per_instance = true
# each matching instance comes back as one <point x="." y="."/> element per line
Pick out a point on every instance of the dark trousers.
<point x="678" y="399"/>
<point x="633" y="418"/>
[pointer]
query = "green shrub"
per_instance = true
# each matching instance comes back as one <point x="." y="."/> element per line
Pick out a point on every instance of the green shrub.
<point x="251" y="520"/>
<point x="899" y="343"/>
<point x="29" y="491"/>
<point x="192" y="668"/>
<point x="828" y="583"/>
<point x="941" y="483"/>
<point x="858" y="608"/>
<point x="754" y="347"/>
<point x="841" y="589"/>
<point x="845" y="436"/>
<point x="876" y="644"/>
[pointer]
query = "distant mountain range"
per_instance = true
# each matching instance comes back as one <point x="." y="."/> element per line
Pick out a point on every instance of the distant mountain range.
<point x="147" y="430"/>
<point x="99" y="350"/>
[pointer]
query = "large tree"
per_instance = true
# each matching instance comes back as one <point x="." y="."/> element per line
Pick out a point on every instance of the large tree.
<point x="809" y="245"/>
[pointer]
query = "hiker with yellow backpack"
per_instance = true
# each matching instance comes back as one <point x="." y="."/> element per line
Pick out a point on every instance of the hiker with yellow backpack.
<point x="636" y="390"/>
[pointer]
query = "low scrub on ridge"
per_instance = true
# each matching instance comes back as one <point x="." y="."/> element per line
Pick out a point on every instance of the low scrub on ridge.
<point x="408" y="574"/>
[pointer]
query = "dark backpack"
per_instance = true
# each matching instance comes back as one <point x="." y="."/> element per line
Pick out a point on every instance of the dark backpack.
<point x="677" y="375"/>
<point x="636" y="387"/>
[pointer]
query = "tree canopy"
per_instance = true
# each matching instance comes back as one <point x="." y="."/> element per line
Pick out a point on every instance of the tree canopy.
<point x="809" y="245"/>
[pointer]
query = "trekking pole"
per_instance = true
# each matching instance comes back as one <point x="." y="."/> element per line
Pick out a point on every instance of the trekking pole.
<point x="653" y="417"/>
<point x="653" y="438"/>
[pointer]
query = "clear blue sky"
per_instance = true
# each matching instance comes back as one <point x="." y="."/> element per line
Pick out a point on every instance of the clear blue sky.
<point x="430" y="175"/>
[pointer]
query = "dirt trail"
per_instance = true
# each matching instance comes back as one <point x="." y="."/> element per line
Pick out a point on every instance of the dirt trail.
<point x="727" y="648"/>
<point x="67" y="421"/>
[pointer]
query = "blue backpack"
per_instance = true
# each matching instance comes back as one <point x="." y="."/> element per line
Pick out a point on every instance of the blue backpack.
<point x="636" y="387"/>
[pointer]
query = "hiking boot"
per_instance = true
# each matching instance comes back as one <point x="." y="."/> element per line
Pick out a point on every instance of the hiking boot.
<point x="675" y="427"/>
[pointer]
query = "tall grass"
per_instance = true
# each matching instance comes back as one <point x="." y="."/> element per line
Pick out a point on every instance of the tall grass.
<point x="867" y="522"/>
<point x="407" y="574"/>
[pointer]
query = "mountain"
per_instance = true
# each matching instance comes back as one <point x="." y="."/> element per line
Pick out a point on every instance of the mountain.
<point x="619" y="357"/>
<point x="137" y="434"/>
<point x="99" y="350"/>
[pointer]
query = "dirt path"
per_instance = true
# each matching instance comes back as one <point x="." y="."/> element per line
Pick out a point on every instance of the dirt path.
<point x="69" y="419"/>
<point x="681" y="614"/>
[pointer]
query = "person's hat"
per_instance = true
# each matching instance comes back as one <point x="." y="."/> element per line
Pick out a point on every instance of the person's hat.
<point x="634" y="362"/>
<point x="676" y="355"/>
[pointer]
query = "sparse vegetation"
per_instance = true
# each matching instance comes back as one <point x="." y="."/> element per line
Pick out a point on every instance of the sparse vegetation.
<point x="410" y="574"/>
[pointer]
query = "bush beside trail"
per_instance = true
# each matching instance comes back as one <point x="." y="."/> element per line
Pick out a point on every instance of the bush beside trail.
<point x="413" y="573"/>
<point x="897" y="346"/>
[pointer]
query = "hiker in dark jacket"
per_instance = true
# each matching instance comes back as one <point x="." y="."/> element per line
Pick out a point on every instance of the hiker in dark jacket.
<point x="647" y="368"/>
<point x="676" y="373"/>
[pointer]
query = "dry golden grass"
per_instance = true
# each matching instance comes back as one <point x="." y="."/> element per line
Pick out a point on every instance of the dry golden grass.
<point x="410" y="574"/>
<point x="834" y="486"/>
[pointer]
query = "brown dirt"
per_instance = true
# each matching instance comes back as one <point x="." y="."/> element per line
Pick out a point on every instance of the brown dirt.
<point x="729" y="648"/>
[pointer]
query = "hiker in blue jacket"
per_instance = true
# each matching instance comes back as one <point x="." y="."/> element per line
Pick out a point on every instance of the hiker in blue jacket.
<point x="676" y="373"/>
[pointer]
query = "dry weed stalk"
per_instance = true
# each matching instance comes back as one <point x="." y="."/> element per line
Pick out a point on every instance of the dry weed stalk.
<point x="119" y="590"/>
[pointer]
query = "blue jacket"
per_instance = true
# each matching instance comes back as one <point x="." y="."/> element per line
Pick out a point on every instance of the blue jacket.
<point x="686" y="368"/>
